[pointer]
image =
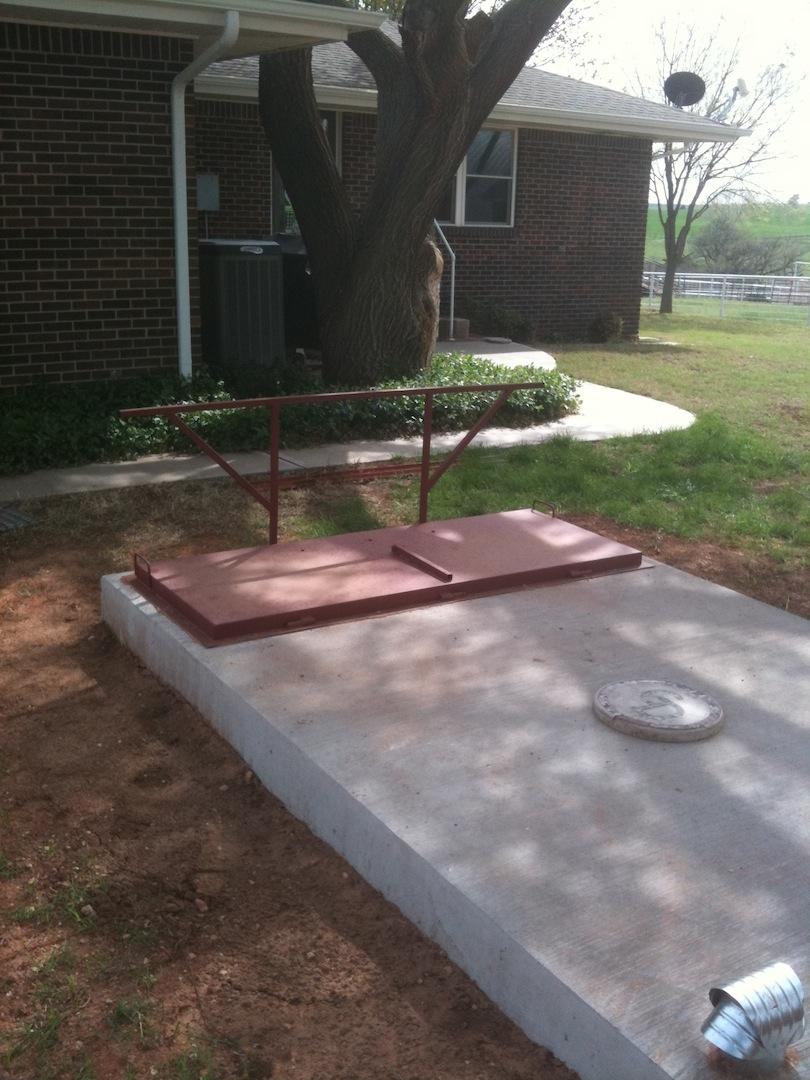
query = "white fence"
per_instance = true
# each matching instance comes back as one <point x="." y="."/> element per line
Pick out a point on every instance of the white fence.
<point x="733" y="288"/>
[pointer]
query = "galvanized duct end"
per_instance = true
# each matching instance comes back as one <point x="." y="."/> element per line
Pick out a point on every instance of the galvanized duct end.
<point x="758" y="1017"/>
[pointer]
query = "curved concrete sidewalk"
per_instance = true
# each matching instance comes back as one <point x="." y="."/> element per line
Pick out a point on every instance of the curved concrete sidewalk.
<point x="605" y="413"/>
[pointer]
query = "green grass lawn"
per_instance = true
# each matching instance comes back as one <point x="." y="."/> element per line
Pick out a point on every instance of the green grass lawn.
<point x="751" y="374"/>
<point x="740" y="476"/>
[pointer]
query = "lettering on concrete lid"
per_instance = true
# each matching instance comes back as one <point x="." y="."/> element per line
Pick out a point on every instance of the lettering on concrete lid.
<point x="659" y="710"/>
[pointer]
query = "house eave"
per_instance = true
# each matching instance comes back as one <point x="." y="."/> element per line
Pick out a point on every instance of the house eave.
<point x="356" y="99"/>
<point x="658" y="130"/>
<point x="266" y="25"/>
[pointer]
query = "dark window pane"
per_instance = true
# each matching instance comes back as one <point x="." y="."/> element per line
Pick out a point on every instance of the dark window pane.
<point x="487" y="201"/>
<point x="446" y="210"/>
<point x="490" y="154"/>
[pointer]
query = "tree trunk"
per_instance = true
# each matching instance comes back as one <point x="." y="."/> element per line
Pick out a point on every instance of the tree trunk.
<point x="668" y="287"/>
<point x="380" y="320"/>
<point x="377" y="274"/>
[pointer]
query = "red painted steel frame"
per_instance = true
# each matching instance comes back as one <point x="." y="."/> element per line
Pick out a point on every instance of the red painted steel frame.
<point x="273" y="405"/>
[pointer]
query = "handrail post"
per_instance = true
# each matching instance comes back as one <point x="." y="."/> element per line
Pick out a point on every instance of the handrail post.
<point x="424" y="476"/>
<point x="452" y="255"/>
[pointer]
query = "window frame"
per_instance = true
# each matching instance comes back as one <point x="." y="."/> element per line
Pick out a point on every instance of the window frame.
<point x="460" y="188"/>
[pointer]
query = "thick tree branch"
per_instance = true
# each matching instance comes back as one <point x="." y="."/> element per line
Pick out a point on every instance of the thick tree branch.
<point x="302" y="154"/>
<point x="382" y="56"/>
<point x="434" y="43"/>
<point x="515" y="32"/>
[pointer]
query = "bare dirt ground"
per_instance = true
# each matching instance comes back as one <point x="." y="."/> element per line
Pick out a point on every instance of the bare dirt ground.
<point x="161" y="915"/>
<point x="753" y="575"/>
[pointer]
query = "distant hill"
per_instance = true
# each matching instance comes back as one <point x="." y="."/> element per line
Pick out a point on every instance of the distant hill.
<point x="760" y="219"/>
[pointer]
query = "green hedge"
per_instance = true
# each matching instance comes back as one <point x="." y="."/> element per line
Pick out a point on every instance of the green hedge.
<point x="53" y="426"/>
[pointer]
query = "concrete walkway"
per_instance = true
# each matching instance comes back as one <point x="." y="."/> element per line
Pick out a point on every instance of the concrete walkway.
<point x="605" y="413"/>
<point x="500" y="351"/>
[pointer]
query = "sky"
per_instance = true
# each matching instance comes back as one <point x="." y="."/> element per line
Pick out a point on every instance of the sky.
<point x="620" y="40"/>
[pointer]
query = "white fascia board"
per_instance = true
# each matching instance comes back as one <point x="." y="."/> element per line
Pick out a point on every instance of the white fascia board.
<point x="221" y="87"/>
<point x="658" y="129"/>
<point x="247" y="89"/>
<point x="278" y="19"/>
<point x="524" y="116"/>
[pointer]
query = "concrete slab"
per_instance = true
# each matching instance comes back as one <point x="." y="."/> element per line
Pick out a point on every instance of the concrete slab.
<point x="509" y="353"/>
<point x="594" y="885"/>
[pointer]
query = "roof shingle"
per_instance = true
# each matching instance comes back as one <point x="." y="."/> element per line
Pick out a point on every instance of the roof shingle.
<point x="335" y="66"/>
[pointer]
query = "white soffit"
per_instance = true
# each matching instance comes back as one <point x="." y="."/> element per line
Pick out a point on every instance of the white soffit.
<point x="265" y="24"/>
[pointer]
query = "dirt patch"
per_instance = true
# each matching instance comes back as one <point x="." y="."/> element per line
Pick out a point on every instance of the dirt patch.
<point x="753" y="575"/>
<point x="161" y="915"/>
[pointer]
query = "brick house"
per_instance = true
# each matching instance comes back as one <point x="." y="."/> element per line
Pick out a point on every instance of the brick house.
<point x="547" y="215"/>
<point x="97" y="279"/>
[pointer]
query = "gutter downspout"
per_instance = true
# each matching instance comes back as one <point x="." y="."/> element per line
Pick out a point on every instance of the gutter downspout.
<point x="215" y="50"/>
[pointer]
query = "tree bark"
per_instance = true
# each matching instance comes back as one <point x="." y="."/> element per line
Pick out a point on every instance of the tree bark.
<point x="668" y="288"/>
<point x="384" y="324"/>
<point x="674" y="247"/>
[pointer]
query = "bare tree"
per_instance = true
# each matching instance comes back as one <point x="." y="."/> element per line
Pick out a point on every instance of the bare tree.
<point x="688" y="178"/>
<point x="376" y="270"/>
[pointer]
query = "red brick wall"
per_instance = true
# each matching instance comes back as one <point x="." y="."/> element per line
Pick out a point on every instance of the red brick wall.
<point x="576" y="250"/>
<point x="357" y="155"/>
<point x="86" y="260"/>
<point x="231" y="143"/>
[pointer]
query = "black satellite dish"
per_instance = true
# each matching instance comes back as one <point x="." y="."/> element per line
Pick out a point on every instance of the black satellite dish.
<point x="684" y="88"/>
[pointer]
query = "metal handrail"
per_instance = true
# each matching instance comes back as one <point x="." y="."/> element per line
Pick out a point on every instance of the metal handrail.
<point x="430" y="472"/>
<point x="452" y="255"/>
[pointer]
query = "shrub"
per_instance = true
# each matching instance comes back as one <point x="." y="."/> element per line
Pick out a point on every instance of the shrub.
<point x="491" y="317"/>
<point x="607" y="326"/>
<point x="54" y="426"/>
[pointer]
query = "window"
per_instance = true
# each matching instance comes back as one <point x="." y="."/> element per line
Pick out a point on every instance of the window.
<point x="483" y="192"/>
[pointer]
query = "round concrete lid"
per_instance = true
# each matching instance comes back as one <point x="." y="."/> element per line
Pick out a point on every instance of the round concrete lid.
<point x="659" y="710"/>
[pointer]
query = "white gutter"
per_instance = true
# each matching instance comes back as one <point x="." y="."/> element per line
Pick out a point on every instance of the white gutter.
<point x="300" y="21"/>
<point x="215" y="51"/>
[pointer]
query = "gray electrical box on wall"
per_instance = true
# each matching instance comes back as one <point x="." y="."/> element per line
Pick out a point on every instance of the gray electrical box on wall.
<point x="242" y="303"/>
<point x="208" y="192"/>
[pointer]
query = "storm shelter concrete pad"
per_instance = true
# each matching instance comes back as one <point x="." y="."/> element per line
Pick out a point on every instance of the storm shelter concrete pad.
<point x="594" y="885"/>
